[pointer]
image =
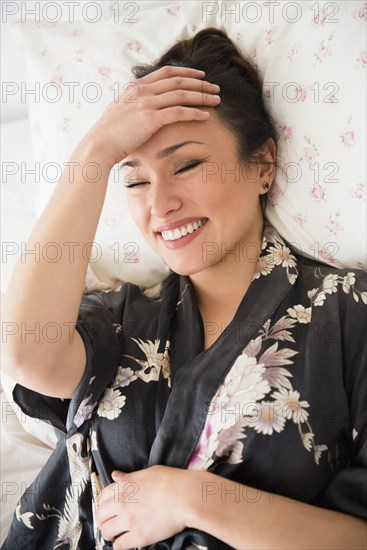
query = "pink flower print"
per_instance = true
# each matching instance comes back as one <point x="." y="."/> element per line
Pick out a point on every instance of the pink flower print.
<point x="361" y="14"/>
<point x="112" y="222"/>
<point x="349" y="137"/>
<point x="287" y="132"/>
<point x="173" y="10"/>
<point x="326" y="256"/>
<point x="319" y="17"/>
<point x="292" y="52"/>
<point x="317" y="192"/>
<point x="76" y="32"/>
<point x="78" y="54"/>
<point x="105" y="71"/>
<point x="359" y="193"/>
<point x="269" y="34"/>
<point x="302" y="93"/>
<point x="274" y="195"/>
<point x="65" y="125"/>
<point x="334" y="225"/>
<point x="133" y="46"/>
<point x="239" y="37"/>
<point x="58" y="79"/>
<point x="309" y="153"/>
<point x="193" y="28"/>
<point x="300" y="219"/>
<point x="324" y="50"/>
<point x="363" y="57"/>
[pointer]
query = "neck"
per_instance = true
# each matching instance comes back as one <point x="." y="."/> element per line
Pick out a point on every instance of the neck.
<point x="221" y="287"/>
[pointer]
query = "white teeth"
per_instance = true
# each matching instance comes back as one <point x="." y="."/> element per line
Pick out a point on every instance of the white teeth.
<point x="178" y="233"/>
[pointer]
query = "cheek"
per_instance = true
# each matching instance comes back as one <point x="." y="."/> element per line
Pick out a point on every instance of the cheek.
<point x="137" y="212"/>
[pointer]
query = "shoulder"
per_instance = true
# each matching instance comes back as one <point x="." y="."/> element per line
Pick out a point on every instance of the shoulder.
<point x="348" y="286"/>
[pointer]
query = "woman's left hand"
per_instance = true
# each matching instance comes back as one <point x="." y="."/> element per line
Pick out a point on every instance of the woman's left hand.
<point x="146" y="506"/>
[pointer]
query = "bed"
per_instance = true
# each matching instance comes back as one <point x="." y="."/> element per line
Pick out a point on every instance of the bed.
<point x="312" y="59"/>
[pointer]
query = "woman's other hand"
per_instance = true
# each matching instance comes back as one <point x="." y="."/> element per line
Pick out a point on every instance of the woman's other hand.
<point x="147" y="506"/>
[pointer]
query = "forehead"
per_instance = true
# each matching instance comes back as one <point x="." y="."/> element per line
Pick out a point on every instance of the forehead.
<point x="212" y="132"/>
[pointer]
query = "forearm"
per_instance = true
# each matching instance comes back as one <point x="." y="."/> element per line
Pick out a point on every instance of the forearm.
<point x="249" y="519"/>
<point x="48" y="280"/>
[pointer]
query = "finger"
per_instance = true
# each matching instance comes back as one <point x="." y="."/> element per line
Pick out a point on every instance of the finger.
<point x="181" y="83"/>
<point x="117" y="475"/>
<point x="182" y="97"/>
<point x="177" y="114"/>
<point x="169" y="71"/>
<point x="110" y="492"/>
<point x="126" y="541"/>
<point x="114" y="528"/>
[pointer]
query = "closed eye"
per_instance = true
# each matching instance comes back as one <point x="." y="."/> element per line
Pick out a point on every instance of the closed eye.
<point x="131" y="185"/>
<point x="182" y="170"/>
<point x="189" y="167"/>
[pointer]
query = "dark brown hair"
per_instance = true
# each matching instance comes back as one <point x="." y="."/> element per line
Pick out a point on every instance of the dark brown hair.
<point x="242" y="108"/>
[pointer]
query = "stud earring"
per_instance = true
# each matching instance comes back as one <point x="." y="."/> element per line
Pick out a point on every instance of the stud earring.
<point x="266" y="185"/>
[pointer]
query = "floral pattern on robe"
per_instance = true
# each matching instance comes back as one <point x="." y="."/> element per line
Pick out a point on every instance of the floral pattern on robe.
<point x="277" y="403"/>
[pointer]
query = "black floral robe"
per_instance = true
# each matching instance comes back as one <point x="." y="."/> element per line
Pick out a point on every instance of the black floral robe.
<point x="278" y="402"/>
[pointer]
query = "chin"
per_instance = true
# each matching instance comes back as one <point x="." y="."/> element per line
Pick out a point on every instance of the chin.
<point x="185" y="268"/>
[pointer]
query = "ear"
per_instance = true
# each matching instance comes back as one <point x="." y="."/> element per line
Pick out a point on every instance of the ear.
<point x="267" y="167"/>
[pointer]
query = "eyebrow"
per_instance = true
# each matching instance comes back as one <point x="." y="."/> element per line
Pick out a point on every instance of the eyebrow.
<point x="162" y="154"/>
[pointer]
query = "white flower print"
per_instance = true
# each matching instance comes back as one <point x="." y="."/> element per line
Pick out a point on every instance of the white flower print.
<point x="70" y="526"/>
<point x="292" y="408"/>
<point x="264" y="266"/>
<point x="307" y="440"/>
<point x="111" y="404"/>
<point x="245" y="385"/>
<point x="348" y="281"/>
<point x="269" y="418"/>
<point x="330" y="284"/>
<point x="155" y="361"/>
<point x="123" y="377"/>
<point x="318" y="449"/>
<point x="316" y="296"/>
<point x="282" y="255"/>
<point x="301" y="313"/>
<point x="118" y="327"/>
<point x="85" y="410"/>
<point x="25" y="517"/>
<point x="272" y="357"/>
<point x="228" y="439"/>
<point x="278" y="377"/>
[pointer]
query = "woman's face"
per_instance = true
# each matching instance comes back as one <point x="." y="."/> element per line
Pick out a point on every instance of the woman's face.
<point x="193" y="200"/>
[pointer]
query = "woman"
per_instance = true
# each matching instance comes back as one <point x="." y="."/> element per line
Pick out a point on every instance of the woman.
<point x="227" y="409"/>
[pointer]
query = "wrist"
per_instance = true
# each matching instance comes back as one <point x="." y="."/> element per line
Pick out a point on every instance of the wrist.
<point x="201" y="506"/>
<point x="90" y="150"/>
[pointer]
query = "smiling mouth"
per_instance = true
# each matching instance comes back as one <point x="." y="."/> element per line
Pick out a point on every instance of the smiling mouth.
<point x="179" y="232"/>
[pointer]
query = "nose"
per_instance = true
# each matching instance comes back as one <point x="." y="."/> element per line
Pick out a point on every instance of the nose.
<point x="164" y="198"/>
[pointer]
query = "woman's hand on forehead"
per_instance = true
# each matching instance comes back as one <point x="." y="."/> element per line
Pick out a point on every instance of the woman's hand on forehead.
<point x="165" y="96"/>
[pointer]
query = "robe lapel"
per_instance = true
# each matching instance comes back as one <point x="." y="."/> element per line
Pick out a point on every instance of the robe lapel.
<point x="197" y="374"/>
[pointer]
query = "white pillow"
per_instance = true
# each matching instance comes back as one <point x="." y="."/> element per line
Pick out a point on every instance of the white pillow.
<point x="97" y="59"/>
<point x="312" y="59"/>
<point x="313" y="67"/>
